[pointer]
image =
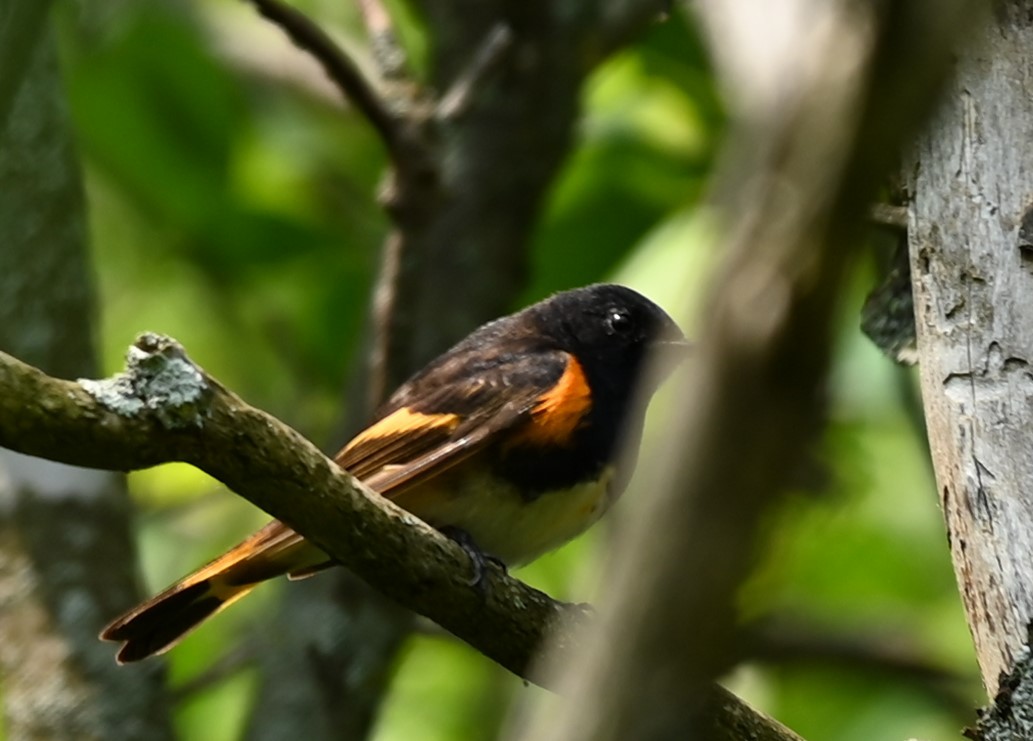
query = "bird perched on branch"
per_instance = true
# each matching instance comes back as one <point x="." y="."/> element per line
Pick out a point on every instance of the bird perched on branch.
<point x="508" y="442"/>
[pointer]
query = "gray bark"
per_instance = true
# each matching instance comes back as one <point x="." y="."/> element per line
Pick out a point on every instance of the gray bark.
<point x="971" y="238"/>
<point x="66" y="559"/>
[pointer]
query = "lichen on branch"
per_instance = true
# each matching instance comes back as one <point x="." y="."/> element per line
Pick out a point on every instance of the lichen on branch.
<point x="158" y="378"/>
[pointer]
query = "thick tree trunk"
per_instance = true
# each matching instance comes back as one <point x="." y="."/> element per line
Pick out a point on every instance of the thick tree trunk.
<point x="66" y="559"/>
<point x="971" y="242"/>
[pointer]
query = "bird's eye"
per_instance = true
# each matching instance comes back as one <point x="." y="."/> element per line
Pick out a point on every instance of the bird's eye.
<point x="618" y="321"/>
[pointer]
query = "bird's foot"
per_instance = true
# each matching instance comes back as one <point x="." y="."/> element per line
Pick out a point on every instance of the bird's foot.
<point x="478" y="558"/>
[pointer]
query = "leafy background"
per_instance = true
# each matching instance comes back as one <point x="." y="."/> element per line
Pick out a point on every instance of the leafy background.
<point x="233" y="206"/>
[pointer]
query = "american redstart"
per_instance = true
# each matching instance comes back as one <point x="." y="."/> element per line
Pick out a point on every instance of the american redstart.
<point x="507" y="442"/>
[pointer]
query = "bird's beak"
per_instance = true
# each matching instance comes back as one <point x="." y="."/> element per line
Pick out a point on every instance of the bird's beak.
<point x="669" y="354"/>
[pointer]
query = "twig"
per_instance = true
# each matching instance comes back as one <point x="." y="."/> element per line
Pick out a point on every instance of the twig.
<point x="485" y="63"/>
<point x="889" y="216"/>
<point x="385" y="297"/>
<point x="342" y="71"/>
<point x="284" y="68"/>
<point x="387" y="52"/>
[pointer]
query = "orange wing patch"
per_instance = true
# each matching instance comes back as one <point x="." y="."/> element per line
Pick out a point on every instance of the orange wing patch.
<point x="397" y="438"/>
<point x="560" y="410"/>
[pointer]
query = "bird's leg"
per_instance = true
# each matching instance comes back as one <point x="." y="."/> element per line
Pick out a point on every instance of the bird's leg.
<point x="478" y="558"/>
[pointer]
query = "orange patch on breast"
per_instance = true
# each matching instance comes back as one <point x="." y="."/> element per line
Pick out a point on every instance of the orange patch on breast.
<point x="561" y="409"/>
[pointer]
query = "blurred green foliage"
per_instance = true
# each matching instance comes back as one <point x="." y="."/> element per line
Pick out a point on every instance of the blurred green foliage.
<point x="234" y="208"/>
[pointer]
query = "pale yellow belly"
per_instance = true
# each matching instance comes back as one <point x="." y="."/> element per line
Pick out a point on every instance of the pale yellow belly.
<point x="503" y="524"/>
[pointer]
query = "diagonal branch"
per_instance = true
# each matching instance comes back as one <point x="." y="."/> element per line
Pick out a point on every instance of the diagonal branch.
<point x="387" y="51"/>
<point x="165" y="408"/>
<point x="344" y="73"/>
<point x="485" y="62"/>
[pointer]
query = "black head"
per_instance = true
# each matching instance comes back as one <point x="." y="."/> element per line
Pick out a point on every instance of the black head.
<point x="611" y="329"/>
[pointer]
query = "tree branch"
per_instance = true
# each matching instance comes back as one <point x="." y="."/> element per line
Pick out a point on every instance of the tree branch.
<point x="889" y="216"/>
<point x="485" y="62"/>
<point x="972" y="286"/>
<point x="347" y="76"/>
<point x="164" y="408"/>
<point x="387" y="52"/>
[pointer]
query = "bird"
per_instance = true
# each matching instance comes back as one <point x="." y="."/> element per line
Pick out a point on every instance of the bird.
<point x="509" y="442"/>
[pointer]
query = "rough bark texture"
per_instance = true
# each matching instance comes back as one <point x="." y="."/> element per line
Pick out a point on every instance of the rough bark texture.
<point x="971" y="265"/>
<point x="66" y="559"/>
<point x="817" y="118"/>
<point x="1010" y="718"/>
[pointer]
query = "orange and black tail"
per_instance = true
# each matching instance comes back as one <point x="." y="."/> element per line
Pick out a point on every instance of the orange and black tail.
<point x="161" y="622"/>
